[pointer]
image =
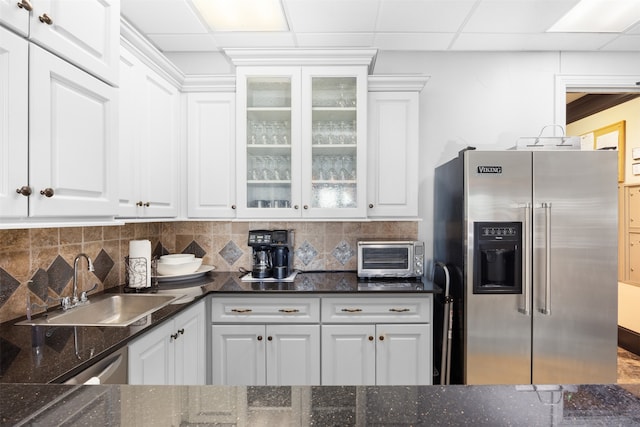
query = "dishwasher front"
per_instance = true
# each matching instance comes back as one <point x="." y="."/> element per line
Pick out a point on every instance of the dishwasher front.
<point x="113" y="369"/>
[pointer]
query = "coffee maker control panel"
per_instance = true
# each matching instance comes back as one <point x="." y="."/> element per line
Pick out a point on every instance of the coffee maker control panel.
<point x="260" y="237"/>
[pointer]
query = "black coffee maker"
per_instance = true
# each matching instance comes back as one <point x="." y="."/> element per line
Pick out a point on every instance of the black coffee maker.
<point x="272" y="253"/>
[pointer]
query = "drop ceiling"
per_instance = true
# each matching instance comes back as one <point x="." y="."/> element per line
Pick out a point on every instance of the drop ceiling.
<point x="401" y="25"/>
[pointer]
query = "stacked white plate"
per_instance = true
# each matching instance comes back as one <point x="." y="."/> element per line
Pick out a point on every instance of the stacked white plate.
<point x="178" y="264"/>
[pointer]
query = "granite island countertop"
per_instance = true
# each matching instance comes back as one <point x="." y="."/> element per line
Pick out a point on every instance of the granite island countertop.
<point x="55" y="353"/>
<point x="500" y="405"/>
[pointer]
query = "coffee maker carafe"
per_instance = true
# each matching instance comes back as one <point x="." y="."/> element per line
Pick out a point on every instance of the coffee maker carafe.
<point x="260" y="241"/>
<point x="281" y="250"/>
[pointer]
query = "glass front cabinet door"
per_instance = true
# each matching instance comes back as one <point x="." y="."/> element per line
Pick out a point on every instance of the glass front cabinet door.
<point x="301" y="138"/>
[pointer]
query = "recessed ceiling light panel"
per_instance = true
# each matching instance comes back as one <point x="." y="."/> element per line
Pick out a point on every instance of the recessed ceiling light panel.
<point x="599" y="16"/>
<point x="242" y="15"/>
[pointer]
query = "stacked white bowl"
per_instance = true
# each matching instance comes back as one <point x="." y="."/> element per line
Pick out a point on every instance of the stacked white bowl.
<point x="178" y="264"/>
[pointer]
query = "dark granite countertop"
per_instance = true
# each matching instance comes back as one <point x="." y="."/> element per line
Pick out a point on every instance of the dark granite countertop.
<point x="54" y="354"/>
<point x="583" y="405"/>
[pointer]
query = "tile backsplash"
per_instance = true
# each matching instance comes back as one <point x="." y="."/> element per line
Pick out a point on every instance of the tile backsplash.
<point x="39" y="262"/>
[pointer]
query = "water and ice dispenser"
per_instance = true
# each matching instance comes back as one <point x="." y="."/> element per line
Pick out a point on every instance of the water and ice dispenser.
<point x="497" y="258"/>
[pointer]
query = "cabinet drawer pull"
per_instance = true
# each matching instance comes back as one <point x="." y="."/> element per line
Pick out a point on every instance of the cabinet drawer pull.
<point x="45" y="19"/>
<point x="399" y="310"/>
<point x="174" y="336"/>
<point x="352" y="310"/>
<point x="25" y="190"/>
<point x="25" y="4"/>
<point x="241" y="310"/>
<point x="289" y="310"/>
<point x="181" y="331"/>
<point x="47" y="192"/>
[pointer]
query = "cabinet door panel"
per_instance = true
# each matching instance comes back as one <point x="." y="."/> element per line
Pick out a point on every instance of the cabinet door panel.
<point x="190" y="347"/>
<point x="151" y="360"/>
<point x="72" y="124"/>
<point x="211" y="155"/>
<point x="161" y="154"/>
<point x="14" y="142"/>
<point x="392" y="182"/>
<point x="293" y="354"/>
<point x="86" y="33"/>
<point x="634" y="257"/>
<point x="238" y="355"/>
<point x="403" y="354"/>
<point x="348" y="355"/>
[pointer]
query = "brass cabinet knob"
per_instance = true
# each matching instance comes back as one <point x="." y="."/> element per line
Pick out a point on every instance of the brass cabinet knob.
<point x="47" y="192"/>
<point x="45" y="19"/>
<point x="24" y="190"/>
<point x="25" y="4"/>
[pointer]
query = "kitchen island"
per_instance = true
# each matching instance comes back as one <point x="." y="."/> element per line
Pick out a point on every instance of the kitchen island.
<point x="114" y="405"/>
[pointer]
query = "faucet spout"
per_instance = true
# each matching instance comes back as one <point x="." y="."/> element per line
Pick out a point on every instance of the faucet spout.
<point x="74" y="297"/>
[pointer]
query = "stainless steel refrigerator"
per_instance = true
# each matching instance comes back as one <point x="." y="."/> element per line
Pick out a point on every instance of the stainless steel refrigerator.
<point x="530" y="240"/>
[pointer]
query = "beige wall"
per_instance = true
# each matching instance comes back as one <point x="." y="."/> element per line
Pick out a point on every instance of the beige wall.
<point x="27" y="252"/>
<point x="628" y="295"/>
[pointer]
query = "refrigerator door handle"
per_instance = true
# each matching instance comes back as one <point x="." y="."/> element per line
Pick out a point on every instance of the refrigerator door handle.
<point x="526" y="271"/>
<point x="546" y="309"/>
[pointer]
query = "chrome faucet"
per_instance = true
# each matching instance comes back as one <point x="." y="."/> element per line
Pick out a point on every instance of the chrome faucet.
<point x="70" y="302"/>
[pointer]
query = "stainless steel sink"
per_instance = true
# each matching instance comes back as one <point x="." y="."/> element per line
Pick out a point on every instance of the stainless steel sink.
<point x="106" y="310"/>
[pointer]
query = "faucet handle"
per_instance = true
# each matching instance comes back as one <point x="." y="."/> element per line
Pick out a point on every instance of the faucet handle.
<point x="83" y="295"/>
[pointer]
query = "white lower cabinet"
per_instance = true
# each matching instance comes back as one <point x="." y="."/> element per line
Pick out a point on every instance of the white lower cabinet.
<point x="266" y="354"/>
<point x="173" y="353"/>
<point x="377" y="341"/>
<point x="265" y="341"/>
<point x="346" y="340"/>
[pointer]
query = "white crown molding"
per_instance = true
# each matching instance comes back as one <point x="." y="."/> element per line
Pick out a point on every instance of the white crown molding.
<point x="209" y="83"/>
<point x="149" y="54"/>
<point x="284" y="57"/>
<point x="397" y="83"/>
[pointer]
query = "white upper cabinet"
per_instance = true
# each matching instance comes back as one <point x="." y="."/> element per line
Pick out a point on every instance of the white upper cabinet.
<point x="393" y="145"/>
<point x="14" y="122"/>
<point x="301" y="138"/>
<point x="211" y="183"/>
<point x="149" y="142"/>
<point x="84" y="32"/>
<point x="72" y="149"/>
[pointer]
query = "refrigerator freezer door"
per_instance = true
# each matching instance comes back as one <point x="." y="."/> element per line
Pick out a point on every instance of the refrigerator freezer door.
<point x="575" y="267"/>
<point x="498" y="326"/>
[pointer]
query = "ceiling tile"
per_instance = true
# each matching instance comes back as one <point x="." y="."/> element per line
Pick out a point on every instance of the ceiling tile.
<point x="520" y="16"/>
<point x="342" y="16"/>
<point x="162" y="16"/>
<point x="413" y="41"/>
<point x="184" y="42"/>
<point x="423" y="16"/>
<point x="532" y="42"/>
<point x="334" y="39"/>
